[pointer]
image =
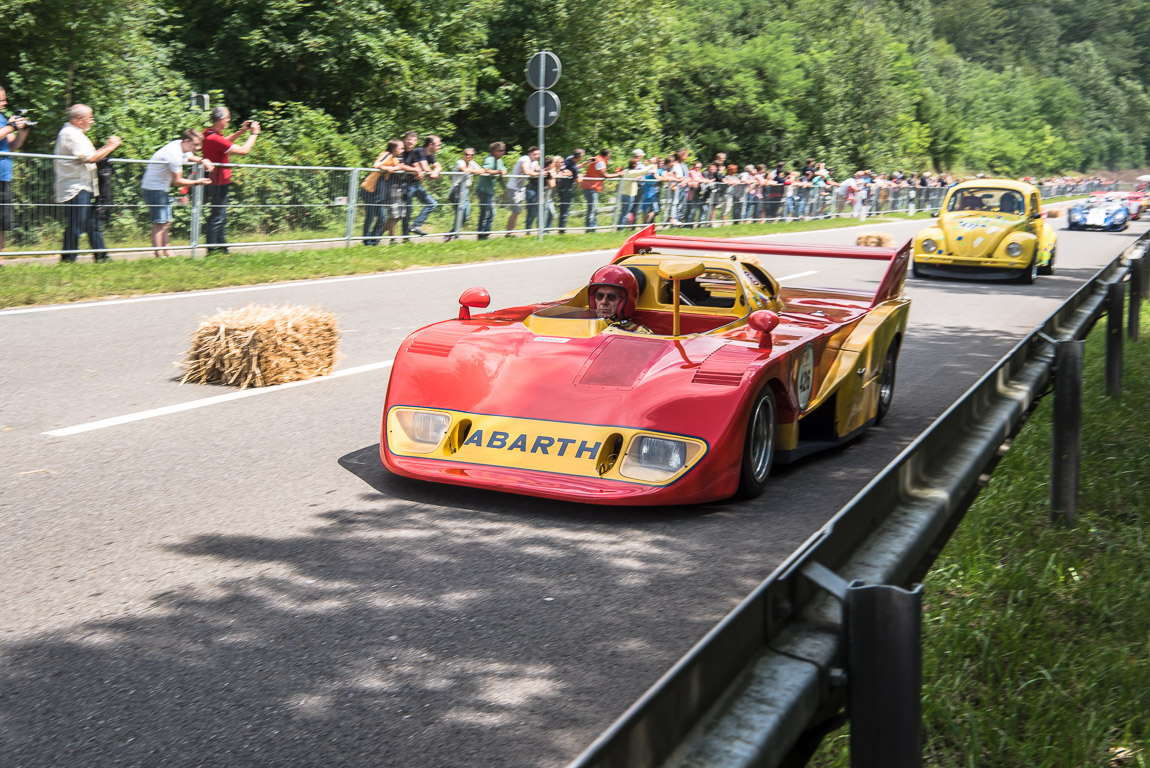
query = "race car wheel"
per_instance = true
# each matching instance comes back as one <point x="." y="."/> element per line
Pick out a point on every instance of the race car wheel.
<point x="759" y="444"/>
<point x="1049" y="268"/>
<point x="886" y="382"/>
<point x="914" y="270"/>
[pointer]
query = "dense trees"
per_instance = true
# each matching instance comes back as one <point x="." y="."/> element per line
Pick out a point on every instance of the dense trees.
<point x="998" y="85"/>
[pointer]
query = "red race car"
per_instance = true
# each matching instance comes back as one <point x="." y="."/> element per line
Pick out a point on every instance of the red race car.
<point x="679" y="375"/>
<point x="1136" y="204"/>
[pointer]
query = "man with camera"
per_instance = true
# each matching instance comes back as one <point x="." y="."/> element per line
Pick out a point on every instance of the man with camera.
<point x="12" y="135"/>
<point x="164" y="171"/>
<point x="76" y="184"/>
<point x="219" y="148"/>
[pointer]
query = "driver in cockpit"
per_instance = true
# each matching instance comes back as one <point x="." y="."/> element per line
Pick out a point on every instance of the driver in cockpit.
<point x="612" y="294"/>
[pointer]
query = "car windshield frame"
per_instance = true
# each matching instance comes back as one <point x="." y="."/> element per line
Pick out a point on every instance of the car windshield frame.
<point x="989" y="204"/>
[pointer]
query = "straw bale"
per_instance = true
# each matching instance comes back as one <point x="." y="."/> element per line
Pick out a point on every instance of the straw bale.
<point x="259" y="346"/>
<point x="1052" y="213"/>
<point x="876" y="239"/>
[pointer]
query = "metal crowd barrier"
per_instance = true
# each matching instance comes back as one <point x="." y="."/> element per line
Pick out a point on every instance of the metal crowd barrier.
<point x="274" y="205"/>
<point x="764" y="686"/>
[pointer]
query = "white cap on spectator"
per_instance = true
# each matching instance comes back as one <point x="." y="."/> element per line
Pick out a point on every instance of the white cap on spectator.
<point x="638" y="153"/>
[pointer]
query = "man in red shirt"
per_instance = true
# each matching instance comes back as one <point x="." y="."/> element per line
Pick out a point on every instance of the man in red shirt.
<point x="219" y="148"/>
<point x="592" y="186"/>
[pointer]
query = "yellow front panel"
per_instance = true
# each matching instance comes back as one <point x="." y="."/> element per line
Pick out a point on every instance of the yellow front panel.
<point x="580" y="450"/>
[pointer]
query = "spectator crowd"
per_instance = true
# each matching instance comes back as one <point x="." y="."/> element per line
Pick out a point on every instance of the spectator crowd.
<point x="679" y="189"/>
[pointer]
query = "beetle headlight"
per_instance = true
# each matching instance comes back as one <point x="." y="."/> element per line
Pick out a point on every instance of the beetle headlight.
<point x="657" y="458"/>
<point x="1014" y="250"/>
<point x="421" y="430"/>
<point x="929" y="245"/>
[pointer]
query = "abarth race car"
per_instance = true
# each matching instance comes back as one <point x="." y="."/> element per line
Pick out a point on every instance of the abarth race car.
<point x="717" y="372"/>
<point x="1102" y="211"/>
<point x="988" y="228"/>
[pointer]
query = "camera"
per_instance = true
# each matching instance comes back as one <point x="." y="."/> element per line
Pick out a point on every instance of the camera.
<point x="23" y="114"/>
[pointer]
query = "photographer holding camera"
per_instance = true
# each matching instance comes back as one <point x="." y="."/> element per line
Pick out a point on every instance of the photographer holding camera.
<point x="219" y="148"/>
<point x="76" y="184"/>
<point x="8" y="143"/>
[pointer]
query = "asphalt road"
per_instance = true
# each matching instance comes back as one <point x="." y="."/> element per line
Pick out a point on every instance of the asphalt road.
<point x="242" y="584"/>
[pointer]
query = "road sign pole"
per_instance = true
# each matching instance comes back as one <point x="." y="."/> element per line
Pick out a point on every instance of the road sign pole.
<point x="543" y="71"/>
<point x="542" y="155"/>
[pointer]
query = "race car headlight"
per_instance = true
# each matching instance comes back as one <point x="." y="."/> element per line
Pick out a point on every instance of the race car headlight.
<point x="1014" y="250"/>
<point x="657" y="458"/>
<point x="1076" y="215"/>
<point x="421" y="430"/>
<point x="929" y="245"/>
<point x="657" y="453"/>
<point x="1120" y="214"/>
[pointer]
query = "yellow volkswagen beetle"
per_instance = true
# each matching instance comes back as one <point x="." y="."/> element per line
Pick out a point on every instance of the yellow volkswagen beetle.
<point x="989" y="228"/>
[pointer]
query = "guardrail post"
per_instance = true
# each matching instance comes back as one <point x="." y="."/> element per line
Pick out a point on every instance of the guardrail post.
<point x="352" y="189"/>
<point x="1067" y="429"/>
<point x="1137" y="270"/>
<point x="884" y="675"/>
<point x="1115" y="297"/>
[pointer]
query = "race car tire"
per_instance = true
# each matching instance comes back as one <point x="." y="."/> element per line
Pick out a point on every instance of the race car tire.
<point x="1026" y="277"/>
<point x="886" y="382"/>
<point x="759" y="444"/>
<point x="1049" y="268"/>
<point x="914" y="270"/>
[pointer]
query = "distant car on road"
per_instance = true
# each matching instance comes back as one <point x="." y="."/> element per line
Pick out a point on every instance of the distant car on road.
<point x="1135" y="204"/>
<point x="1107" y="211"/>
<point x="988" y="228"/>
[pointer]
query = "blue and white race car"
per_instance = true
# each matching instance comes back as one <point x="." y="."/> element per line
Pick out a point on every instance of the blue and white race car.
<point x="1103" y="210"/>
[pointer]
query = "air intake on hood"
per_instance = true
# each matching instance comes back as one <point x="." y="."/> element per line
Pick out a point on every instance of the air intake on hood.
<point x="726" y="365"/>
<point x="437" y="341"/>
<point x="620" y="362"/>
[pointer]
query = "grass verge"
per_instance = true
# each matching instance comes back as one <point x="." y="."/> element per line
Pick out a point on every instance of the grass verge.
<point x="1037" y="636"/>
<point x="24" y="284"/>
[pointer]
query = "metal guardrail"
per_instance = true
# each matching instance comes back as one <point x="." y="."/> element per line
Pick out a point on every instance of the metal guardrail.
<point x="277" y="205"/>
<point x="763" y="685"/>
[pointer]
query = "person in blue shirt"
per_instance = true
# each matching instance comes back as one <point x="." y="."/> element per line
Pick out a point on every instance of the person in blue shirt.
<point x="12" y="135"/>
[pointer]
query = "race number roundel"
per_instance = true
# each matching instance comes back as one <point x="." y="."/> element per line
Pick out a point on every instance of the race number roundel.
<point x="805" y="376"/>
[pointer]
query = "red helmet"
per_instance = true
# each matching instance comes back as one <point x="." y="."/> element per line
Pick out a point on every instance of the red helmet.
<point x="617" y="277"/>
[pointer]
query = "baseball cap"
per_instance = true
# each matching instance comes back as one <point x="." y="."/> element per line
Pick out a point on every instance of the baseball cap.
<point x="638" y="153"/>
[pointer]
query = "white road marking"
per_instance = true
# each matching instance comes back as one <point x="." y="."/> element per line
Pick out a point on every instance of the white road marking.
<point x="292" y="284"/>
<point x="797" y="275"/>
<point x="169" y="409"/>
<point x="373" y="276"/>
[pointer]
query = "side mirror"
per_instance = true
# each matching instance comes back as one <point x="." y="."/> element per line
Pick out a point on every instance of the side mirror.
<point x="1038" y="215"/>
<point x="764" y="321"/>
<point x="473" y="297"/>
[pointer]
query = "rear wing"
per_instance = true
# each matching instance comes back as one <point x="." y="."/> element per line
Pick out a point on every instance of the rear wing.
<point x="898" y="258"/>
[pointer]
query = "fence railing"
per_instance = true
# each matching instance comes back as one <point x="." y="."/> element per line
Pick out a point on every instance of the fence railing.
<point x="764" y="685"/>
<point x="274" y="205"/>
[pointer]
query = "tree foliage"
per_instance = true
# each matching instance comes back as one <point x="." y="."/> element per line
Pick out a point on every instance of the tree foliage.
<point x="1009" y="87"/>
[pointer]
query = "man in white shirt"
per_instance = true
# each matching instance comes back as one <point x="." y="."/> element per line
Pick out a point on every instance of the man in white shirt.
<point x="76" y="185"/>
<point x="519" y="191"/>
<point x="164" y="169"/>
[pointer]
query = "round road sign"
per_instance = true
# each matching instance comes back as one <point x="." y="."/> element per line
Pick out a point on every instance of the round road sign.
<point x="543" y="70"/>
<point x="550" y="103"/>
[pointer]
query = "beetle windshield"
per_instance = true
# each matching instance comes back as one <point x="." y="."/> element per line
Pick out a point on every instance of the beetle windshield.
<point x="987" y="200"/>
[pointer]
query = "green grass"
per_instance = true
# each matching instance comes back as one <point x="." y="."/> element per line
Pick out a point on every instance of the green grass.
<point x="24" y="284"/>
<point x="1037" y="635"/>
